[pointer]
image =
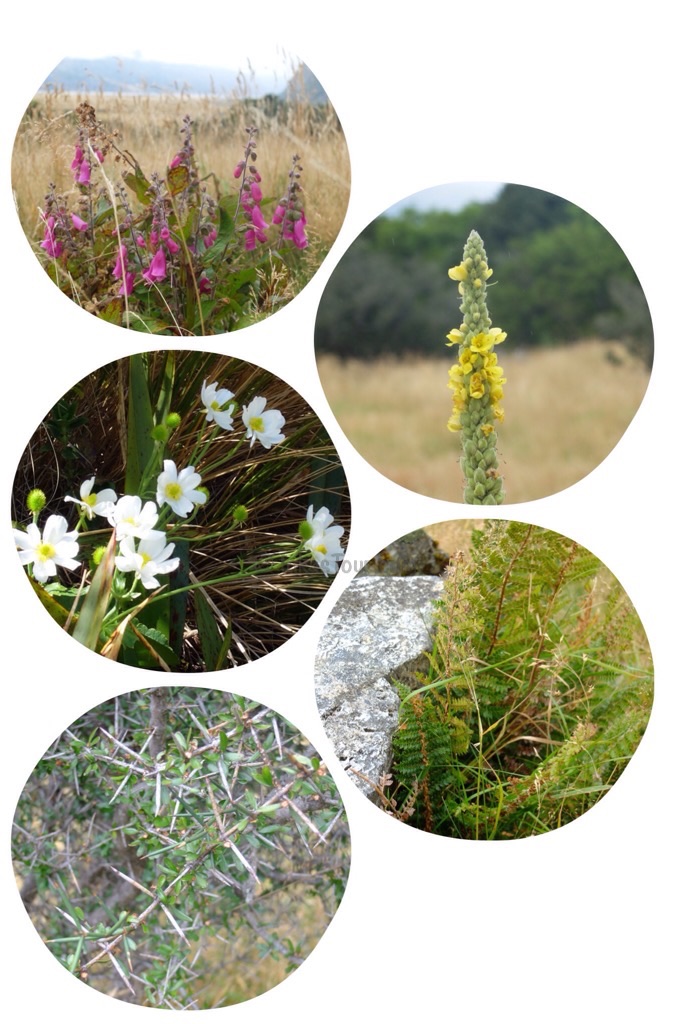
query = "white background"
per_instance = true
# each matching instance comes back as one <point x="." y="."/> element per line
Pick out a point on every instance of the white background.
<point x="590" y="101"/>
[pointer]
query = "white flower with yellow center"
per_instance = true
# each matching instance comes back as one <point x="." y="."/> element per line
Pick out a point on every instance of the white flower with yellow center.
<point x="98" y="504"/>
<point x="56" y="547"/>
<point x="323" y="539"/>
<point x="179" y="490"/>
<point x="131" y="518"/>
<point x="215" y="399"/>
<point x="262" y="425"/>
<point x="149" y="560"/>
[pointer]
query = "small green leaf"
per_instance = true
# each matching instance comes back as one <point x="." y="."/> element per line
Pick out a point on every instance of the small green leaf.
<point x="112" y="313"/>
<point x="177" y="179"/>
<point x="88" y="627"/>
<point x="139" y="185"/>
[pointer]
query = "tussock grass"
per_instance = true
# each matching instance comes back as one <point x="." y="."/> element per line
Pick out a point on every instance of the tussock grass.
<point x="566" y="408"/>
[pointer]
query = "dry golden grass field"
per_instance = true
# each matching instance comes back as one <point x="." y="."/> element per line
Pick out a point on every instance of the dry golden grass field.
<point x="565" y="410"/>
<point x="148" y="127"/>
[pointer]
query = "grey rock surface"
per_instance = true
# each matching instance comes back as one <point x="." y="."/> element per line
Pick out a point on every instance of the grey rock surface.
<point x="415" y="554"/>
<point x="379" y="626"/>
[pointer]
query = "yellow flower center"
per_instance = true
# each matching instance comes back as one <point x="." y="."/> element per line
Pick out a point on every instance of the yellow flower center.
<point x="90" y="500"/>
<point x="215" y="405"/>
<point x="145" y="558"/>
<point x="255" y="423"/>
<point x="321" y="548"/>
<point x="44" y="552"/>
<point x="173" y="491"/>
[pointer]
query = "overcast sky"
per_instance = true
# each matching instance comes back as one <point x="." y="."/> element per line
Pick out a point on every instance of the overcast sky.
<point x="210" y="52"/>
<point x="454" y="196"/>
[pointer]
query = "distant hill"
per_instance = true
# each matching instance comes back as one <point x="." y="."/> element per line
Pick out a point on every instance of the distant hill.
<point x="128" y="75"/>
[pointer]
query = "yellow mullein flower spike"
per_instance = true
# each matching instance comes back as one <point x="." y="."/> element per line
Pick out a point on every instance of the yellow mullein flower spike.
<point x="476" y="379"/>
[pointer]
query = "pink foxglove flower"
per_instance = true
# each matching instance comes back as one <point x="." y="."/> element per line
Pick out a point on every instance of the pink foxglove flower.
<point x="300" y="240"/>
<point x="78" y="223"/>
<point x="258" y="220"/>
<point x="77" y="162"/>
<point x="238" y="169"/>
<point x="121" y="263"/>
<point x="84" y="173"/>
<point x="156" y="271"/>
<point x="128" y="283"/>
<point x="171" y="243"/>
<point x="51" y="245"/>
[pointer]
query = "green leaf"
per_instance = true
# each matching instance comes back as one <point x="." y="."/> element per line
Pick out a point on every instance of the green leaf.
<point x="140" y="423"/>
<point x="88" y="627"/>
<point x="112" y="313"/>
<point x="163" y="402"/>
<point x="146" y="324"/>
<point x="147" y="647"/>
<point x="139" y="185"/>
<point x="177" y="179"/>
<point x="228" y="206"/>
<point x="53" y="607"/>
<point x="214" y="644"/>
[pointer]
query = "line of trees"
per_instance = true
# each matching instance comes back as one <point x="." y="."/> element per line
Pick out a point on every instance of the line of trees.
<point x="558" y="276"/>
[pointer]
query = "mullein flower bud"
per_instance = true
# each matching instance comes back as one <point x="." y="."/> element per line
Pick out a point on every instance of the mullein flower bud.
<point x="476" y="380"/>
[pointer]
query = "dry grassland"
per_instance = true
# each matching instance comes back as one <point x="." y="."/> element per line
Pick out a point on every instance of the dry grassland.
<point x="148" y="127"/>
<point x="565" y="410"/>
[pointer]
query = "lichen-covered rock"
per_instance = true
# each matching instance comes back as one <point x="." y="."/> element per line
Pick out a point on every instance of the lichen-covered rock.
<point x="415" y="554"/>
<point x="379" y="626"/>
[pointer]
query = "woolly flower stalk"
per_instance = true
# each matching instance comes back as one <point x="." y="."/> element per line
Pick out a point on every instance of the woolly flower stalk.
<point x="476" y="379"/>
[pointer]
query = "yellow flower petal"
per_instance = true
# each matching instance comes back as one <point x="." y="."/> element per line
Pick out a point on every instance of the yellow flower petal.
<point x="458" y="273"/>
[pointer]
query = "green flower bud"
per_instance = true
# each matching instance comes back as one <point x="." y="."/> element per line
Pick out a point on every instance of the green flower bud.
<point x="160" y="433"/>
<point x="172" y="421"/>
<point x="305" y="530"/>
<point x="97" y="555"/>
<point x="36" y="501"/>
<point x="240" y="514"/>
<point x="120" y="585"/>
